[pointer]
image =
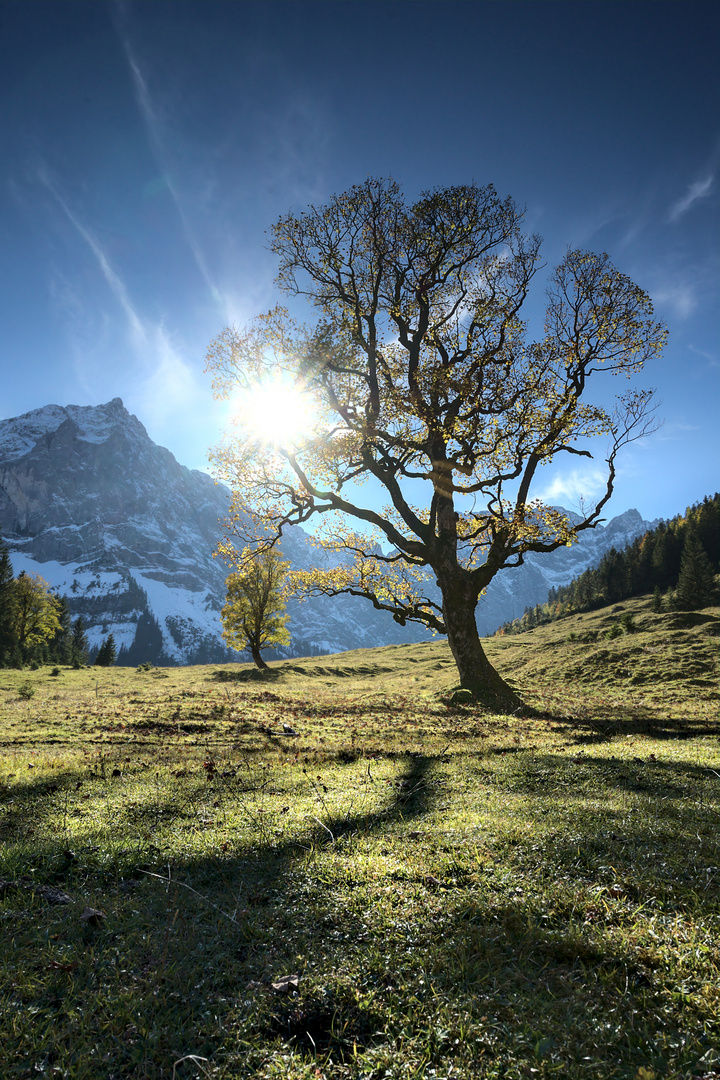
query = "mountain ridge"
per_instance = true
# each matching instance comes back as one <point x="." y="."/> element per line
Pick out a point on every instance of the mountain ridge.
<point x="116" y="523"/>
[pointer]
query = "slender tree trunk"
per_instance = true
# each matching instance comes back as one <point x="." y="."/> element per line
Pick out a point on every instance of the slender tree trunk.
<point x="476" y="672"/>
<point x="259" y="662"/>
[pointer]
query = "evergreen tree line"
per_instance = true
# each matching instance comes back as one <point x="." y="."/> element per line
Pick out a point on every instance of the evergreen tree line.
<point x="676" y="561"/>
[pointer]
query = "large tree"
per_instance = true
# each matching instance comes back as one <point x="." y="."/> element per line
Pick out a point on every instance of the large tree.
<point x="425" y="383"/>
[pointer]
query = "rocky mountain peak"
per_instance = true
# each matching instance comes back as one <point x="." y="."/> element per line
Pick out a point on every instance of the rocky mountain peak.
<point x="92" y="423"/>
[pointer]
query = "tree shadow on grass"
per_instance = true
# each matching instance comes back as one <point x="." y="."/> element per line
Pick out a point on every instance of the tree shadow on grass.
<point x="604" y="725"/>
<point x="247" y="675"/>
<point x="188" y="932"/>
<point x="183" y="959"/>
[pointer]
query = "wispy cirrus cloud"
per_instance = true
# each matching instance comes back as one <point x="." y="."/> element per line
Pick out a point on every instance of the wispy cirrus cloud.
<point x="165" y="383"/>
<point x="699" y="190"/>
<point x="712" y="360"/>
<point x="117" y="286"/>
<point x="157" y="137"/>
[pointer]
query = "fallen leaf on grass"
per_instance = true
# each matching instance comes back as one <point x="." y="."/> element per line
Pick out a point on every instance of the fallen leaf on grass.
<point x="93" y="916"/>
<point x="433" y="882"/>
<point x="286" y="984"/>
<point x="57" y="966"/>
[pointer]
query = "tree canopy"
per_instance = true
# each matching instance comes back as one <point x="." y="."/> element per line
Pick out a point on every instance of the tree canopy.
<point x="424" y="381"/>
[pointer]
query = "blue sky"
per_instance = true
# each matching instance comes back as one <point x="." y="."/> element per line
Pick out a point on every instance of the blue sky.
<point x="147" y="148"/>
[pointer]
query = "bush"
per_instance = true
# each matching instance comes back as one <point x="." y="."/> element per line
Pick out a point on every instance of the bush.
<point x="26" y="690"/>
<point x="627" y="622"/>
<point x="146" y="666"/>
<point x="55" y="671"/>
<point x="615" y="631"/>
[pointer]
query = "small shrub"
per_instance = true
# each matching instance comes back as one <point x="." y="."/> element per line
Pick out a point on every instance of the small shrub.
<point x="55" y="671"/>
<point x="146" y="666"/>
<point x="572" y="636"/>
<point x="26" y="690"/>
<point x="77" y="664"/>
<point x="614" y="631"/>
<point x="34" y="665"/>
<point x="627" y="622"/>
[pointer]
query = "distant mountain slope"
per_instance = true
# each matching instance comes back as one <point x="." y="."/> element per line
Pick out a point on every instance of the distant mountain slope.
<point x="117" y="525"/>
<point x="652" y="562"/>
<point x="112" y="521"/>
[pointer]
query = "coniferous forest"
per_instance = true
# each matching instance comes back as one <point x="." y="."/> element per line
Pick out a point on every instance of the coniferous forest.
<point x="676" y="561"/>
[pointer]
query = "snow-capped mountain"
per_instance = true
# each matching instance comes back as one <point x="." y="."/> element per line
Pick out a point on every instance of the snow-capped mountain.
<point x="114" y="523"/>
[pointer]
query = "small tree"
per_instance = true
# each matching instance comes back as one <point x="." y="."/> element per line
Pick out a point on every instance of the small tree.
<point x="253" y="616"/>
<point x="425" y="384"/>
<point x="696" y="583"/>
<point x="108" y="653"/>
<point x="36" y="612"/>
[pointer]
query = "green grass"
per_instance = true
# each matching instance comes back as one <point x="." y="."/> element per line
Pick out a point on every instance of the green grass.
<point x="459" y="894"/>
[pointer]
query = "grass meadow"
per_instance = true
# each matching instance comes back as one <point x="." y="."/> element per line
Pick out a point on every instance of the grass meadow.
<point x="334" y="870"/>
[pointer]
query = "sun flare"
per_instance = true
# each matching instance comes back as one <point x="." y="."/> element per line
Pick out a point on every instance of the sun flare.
<point x="277" y="413"/>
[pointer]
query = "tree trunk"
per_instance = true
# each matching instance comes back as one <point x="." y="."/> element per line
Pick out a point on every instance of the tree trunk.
<point x="259" y="662"/>
<point x="476" y="672"/>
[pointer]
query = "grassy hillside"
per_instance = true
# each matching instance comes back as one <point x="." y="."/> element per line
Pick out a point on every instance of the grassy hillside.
<point x="453" y="893"/>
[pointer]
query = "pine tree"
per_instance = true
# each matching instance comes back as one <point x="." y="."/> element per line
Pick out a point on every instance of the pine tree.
<point x="60" y="648"/>
<point x="657" y="601"/>
<point x="662" y="557"/>
<point x="79" y="643"/>
<point x="147" y="646"/>
<point x="696" y="583"/>
<point x="8" y="639"/>
<point x="706" y="520"/>
<point x="108" y="653"/>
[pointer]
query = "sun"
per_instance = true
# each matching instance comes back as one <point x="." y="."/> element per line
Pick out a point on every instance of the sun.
<point x="277" y="413"/>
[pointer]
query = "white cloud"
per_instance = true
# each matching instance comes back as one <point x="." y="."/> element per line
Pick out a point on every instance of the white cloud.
<point x="574" y="488"/>
<point x="679" y="296"/>
<point x="699" y="190"/>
